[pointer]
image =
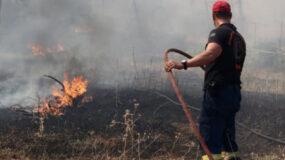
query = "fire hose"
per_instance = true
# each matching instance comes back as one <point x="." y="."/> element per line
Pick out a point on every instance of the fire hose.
<point x="184" y="105"/>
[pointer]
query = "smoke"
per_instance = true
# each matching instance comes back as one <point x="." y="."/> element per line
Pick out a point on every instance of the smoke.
<point x="105" y="39"/>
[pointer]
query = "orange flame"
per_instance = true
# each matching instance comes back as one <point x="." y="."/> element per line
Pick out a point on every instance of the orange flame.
<point x="39" y="50"/>
<point x="60" y="99"/>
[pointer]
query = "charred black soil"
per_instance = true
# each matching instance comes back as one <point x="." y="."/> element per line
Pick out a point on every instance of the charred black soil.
<point x="157" y="128"/>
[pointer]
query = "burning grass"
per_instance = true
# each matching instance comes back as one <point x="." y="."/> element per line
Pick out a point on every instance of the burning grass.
<point x="39" y="50"/>
<point x="64" y="97"/>
<point x="55" y="104"/>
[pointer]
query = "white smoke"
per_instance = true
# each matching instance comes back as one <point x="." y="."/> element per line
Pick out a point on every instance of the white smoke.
<point x="113" y="35"/>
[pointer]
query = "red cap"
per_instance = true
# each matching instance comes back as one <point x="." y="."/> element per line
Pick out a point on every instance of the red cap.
<point x="221" y="6"/>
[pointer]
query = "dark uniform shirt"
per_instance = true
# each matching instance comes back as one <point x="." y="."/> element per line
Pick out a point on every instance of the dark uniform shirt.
<point x="222" y="70"/>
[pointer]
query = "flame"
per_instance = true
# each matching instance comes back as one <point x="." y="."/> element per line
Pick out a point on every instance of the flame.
<point x="40" y="50"/>
<point x="37" y="50"/>
<point x="60" y="99"/>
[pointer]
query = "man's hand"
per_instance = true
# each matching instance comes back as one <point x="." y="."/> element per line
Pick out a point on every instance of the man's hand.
<point x="169" y="65"/>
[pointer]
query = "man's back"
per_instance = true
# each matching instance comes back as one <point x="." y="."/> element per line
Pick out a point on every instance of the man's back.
<point x="223" y="70"/>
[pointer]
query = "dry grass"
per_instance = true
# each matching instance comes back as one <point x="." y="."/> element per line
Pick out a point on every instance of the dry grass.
<point x="123" y="137"/>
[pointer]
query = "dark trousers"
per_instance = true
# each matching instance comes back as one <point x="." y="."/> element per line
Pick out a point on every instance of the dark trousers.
<point x="217" y="119"/>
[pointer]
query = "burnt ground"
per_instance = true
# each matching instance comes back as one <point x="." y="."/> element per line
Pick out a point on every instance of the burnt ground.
<point x="158" y="130"/>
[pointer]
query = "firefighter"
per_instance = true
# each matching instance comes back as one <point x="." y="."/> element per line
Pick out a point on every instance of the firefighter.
<point x="223" y="59"/>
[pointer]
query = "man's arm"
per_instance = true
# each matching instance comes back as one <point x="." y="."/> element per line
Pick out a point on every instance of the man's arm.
<point x="212" y="51"/>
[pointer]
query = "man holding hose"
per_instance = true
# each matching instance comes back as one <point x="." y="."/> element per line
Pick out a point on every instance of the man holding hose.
<point x="223" y="59"/>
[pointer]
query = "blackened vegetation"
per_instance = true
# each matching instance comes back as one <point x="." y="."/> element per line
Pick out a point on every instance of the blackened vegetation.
<point x="98" y="127"/>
